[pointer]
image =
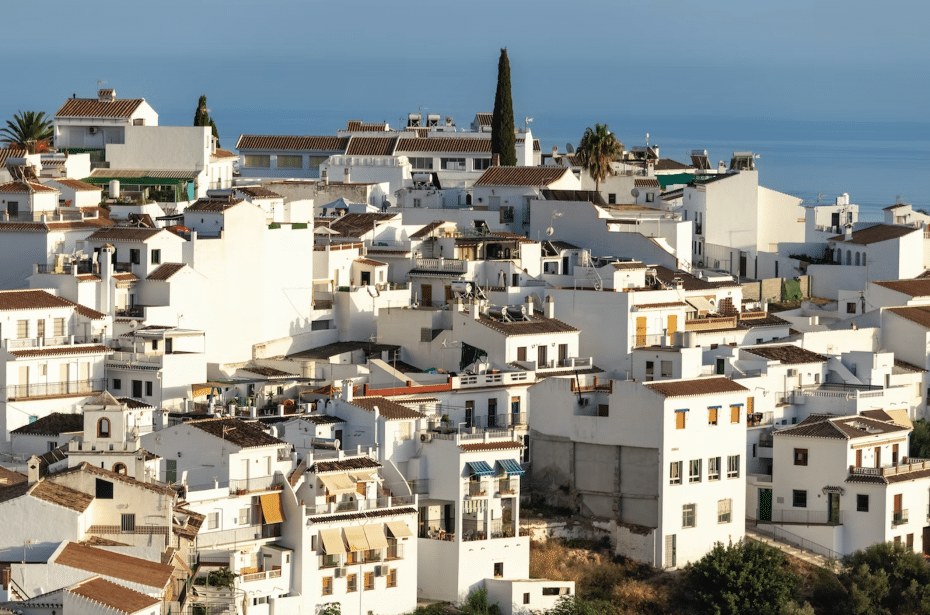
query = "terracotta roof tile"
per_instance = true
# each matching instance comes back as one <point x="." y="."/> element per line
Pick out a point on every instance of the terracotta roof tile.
<point x="166" y="271"/>
<point x="24" y="187"/>
<point x="908" y="366"/>
<point x="689" y="282"/>
<point x="85" y="467"/>
<point x="258" y="192"/>
<point x="223" y="153"/>
<point x="116" y="565"/>
<point x="591" y="196"/>
<point x="59" y="351"/>
<point x="374" y="514"/>
<point x="699" y="386"/>
<point x="9" y="477"/>
<point x="875" y="234"/>
<point x="521" y="176"/>
<point x="244" y="434"/>
<point x="295" y="143"/>
<point x="646" y="182"/>
<point x="484" y="118"/>
<point x="109" y="594"/>
<point x="667" y="304"/>
<point x="356" y="225"/>
<point x="787" y="354"/>
<point x="214" y="205"/>
<point x="48" y="492"/>
<point x="465" y="145"/>
<point x="52" y="424"/>
<point x="349" y="464"/>
<point x="92" y="107"/>
<point x="321" y="419"/>
<point x="387" y="408"/>
<point x="30" y="299"/>
<point x="370" y="262"/>
<point x="426" y="230"/>
<point x="840" y="428"/>
<point x="371" y="146"/>
<point x="913" y="288"/>
<point x="490" y="446"/>
<point x="535" y="324"/>
<point x="11" y="153"/>
<point x="268" y="372"/>
<point x="123" y="233"/>
<point x="360" y="126"/>
<point x="919" y="314"/>
<point x="76" y="184"/>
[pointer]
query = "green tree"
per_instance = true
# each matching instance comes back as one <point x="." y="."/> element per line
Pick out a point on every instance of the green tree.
<point x="477" y="603"/>
<point x="886" y="579"/>
<point x="202" y="118"/>
<point x="920" y="439"/>
<point x="597" y="150"/>
<point x="741" y="578"/>
<point x="573" y="605"/>
<point x="503" y="139"/>
<point x="28" y="130"/>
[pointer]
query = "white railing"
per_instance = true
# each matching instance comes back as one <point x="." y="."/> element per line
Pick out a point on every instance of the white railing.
<point x="479" y="380"/>
<point x="148" y="360"/>
<point x="259" y="576"/>
<point x="442" y="264"/>
<point x="331" y="508"/>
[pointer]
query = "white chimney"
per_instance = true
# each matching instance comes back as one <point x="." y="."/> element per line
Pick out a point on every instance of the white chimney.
<point x="849" y="231"/>
<point x="34" y="470"/>
<point x="347" y="391"/>
<point x="476" y="310"/>
<point x="550" y="307"/>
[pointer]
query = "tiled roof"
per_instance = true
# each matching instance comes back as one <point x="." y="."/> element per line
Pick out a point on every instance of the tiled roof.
<point x="371" y="146"/>
<point x="878" y="415"/>
<point x="23" y="187"/>
<point x="223" y="153"/>
<point x="142" y="173"/>
<point x="632" y="265"/>
<point x="387" y="408"/>
<point x="116" y="565"/>
<point x="258" y="192"/>
<point x="115" y="476"/>
<point x="490" y="446"/>
<point x="166" y="271"/>
<point x="787" y="354"/>
<point x="699" y="386"/>
<point x="445" y="144"/>
<point x="53" y="424"/>
<point x="913" y="288"/>
<point x="48" y="492"/>
<point x="689" y="282"/>
<point x="9" y="477"/>
<point x="372" y="514"/>
<point x="214" y="205"/>
<point x="123" y="233"/>
<point x="895" y="206"/>
<point x="666" y="304"/>
<point x="667" y="164"/>
<point x="370" y="262"/>
<point x="268" y="372"/>
<point x="536" y="146"/>
<point x="908" y="366"/>
<point x="321" y="419"/>
<point x="356" y="225"/>
<point x="646" y="182"/>
<point x="11" y="153"/>
<point x="194" y="523"/>
<point x="521" y="176"/>
<point x="360" y="126"/>
<point x="113" y="596"/>
<point x="534" y="324"/>
<point x="840" y="428"/>
<point x="591" y="196"/>
<point x="238" y="433"/>
<point x="295" y="143"/>
<point x="426" y="230"/>
<point x="92" y="107"/>
<point x="484" y="118"/>
<point x="78" y="185"/>
<point x="349" y="464"/>
<point x="126" y="276"/>
<point x="30" y="299"/>
<point x="875" y="234"/>
<point x="55" y="351"/>
<point x="919" y="314"/>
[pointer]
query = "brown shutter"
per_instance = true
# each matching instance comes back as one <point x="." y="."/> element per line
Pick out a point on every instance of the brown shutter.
<point x="734" y="414"/>
<point x="712" y="416"/>
<point x="859" y="458"/>
<point x="672" y="323"/>
<point x="641" y="331"/>
<point x="898" y="503"/>
<point x="679" y="420"/>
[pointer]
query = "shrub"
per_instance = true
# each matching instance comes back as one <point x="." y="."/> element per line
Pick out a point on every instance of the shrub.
<point x="886" y="579"/>
<point x="477" y="603"/>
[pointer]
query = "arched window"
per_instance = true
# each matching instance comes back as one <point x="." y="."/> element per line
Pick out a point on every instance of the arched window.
<point x="119" y="468"/>
<point x="848" y="257"/>
<point x="863" y="259"/>
<point x="838" y="259"/>
<point x="857" y="259"/>
<point x="103" y="428"/>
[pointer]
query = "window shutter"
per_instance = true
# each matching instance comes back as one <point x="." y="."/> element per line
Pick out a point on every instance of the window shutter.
<point x="734" y="414"/>
<point x="679" y="420"/>
<point x="712" y="416"/>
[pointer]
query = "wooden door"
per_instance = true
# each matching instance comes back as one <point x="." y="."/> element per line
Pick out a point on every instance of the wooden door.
<point x="672" y="323"/>
<point x="427" y="291"/>
<point x="765" y="504"/>
<point x="641" y="331"/>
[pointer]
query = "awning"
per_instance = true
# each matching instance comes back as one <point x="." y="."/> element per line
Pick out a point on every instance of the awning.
<point x="332" y="541"/>
<point x="398" y="529"/>
<point x="701" y="304"/>
<point x="480" y="468"/>
<point x="355" y="537"/>
<point x="511" y="467"/>
<point x="375" y="535"/>
<point x="271" y="508"/>
<point x="363" y="477"/>
<point x="337" y="483"/>
<point x="831" y="489"/>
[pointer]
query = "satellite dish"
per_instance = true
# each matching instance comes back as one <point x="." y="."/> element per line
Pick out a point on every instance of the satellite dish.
<point x="569" y="148"/>
<point x="634" y="192"/>
<point x="549" y="231"/>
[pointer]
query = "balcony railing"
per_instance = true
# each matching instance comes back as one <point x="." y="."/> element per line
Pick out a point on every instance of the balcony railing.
<point x="908" y="464"/>
<point x="442" y="264"/>
<point x="259" y="576"/>
<point x="60" y="214"/>
<point x="55" y="389"/>
<point x="420" y="486"/>
<point x="133" y="312"/>
<point x="900" y="517"/>
<point x="648" y="339"/>
<point x="508" y="486"/>
<point x="807" y="517"/>
<point x="360" y="505"/>
<point x="43" y="342"/>
<point x="239" y="486"/>
<point x="500" y="421"/>
<point x="136" y="359"/>
<point x="476" y="488"/>
<point x="73" y="268"/>
<point x="237" y="535"/>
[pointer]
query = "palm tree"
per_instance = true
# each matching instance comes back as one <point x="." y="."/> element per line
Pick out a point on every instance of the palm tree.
<point x="28" y="128"/>
<point x="597" y="150"/>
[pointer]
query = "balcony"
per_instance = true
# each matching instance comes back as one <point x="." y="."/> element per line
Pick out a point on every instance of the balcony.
<point x="20" y="392"/>
<point x="508" y="486"/>
<point x="133" y="312"/>
<point x="481" y="380"/>
<point x="571" y="363"/>
<point x="45" y="342"/>
<point x="758" y="419"/>
<point x="908" y="464"/>
<point x="476" y="488"/>
<point x="899" y="517"/>
<point x="259" y="576"/>
<point x="246" y="533"/>
<point x="807" y="517"/>
<point x="135" y="360"/>
<point x="82" y="267"/>
<point x="360" y="505"/>
<point x="500" y="421"/>
<point x="443" y="265"/>
<point x="240" y="486"/>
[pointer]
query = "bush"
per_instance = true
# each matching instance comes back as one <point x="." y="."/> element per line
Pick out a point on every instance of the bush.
<point x="224" y="577"/>
<point x="886" y="579"/>
<point x="742" y="578"/>
<point x="573" y="605"/>
<point x="920" y="439"/>
<point x="477" y="603"/>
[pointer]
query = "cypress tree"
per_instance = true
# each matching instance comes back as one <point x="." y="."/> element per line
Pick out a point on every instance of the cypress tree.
<point x="202" y="118"/>
<point x="503" y="139"/>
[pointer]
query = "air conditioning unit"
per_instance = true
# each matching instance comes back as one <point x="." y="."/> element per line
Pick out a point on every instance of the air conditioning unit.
<point x="93" y="130"/>
<point x="339" y="573"/>
<point x="426" y="437"/>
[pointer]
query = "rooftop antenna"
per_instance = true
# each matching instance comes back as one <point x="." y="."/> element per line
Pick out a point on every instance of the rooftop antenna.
<point x="820" y="196"/>
<point x="526" y="121"/>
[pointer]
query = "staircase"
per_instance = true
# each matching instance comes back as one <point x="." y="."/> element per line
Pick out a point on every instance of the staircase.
<point x="791" y="544"/>
<point x="590" y="273"/>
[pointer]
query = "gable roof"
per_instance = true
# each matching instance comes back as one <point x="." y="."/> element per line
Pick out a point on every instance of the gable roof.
<point x="534" y="324"/>
<point x="116" y="565"/>
<point x="9" y="477"/>
<point x="787" y="354"/>
<point x="54" y="351"/>
<point x="258" y="192"/>
<point x="371" y="146"/>
<point x="591" y="196"/>
<point x="50" y="492"/>
<point x="25" y="187"/>
<point x="166" y="271"/>
<point x="11" y="153"/>
<point x="919" y="314"/>
<point x="214" y="205"/>
<point x="76" y="184"/>
<point x="429" y="228"/>
<point x="521" y="176"/>
<point x="840" y="427"/>
<point x="465" y="145"/>
<point x="30" y="300"/>
<point x="875" y="234"/>
<point x="124" y="233"/>
<point x="92" y="107"/>
<point x="688" y="281"/>
<point x="53" y="424"/>
<point x="109" y="594"/>
<point x="85" y="467"/>
<point x="292" y="142"/>
<point x="356" y="225"/>
<point x="349" y="464"/>
<point x="919" y="287"/>
<point x="244" y="434"/>
<point x="698" y="386"/>
<point x="390" y="410"/>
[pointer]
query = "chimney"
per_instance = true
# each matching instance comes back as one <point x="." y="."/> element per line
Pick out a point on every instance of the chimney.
<point x="550" y="307"/>
<point x="280" y="409"/>
<point x="495" y="160"/>
<point x="347" y="391"/>
<point x="106" y="275"/>
<point x="529" y="306"/>
<point x="475" y="310"/>
<point x="34" y="470"/>
<point x="140" y="468"/>
<point x="849" y="231"/>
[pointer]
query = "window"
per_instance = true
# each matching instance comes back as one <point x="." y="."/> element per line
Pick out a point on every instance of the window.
<point x="128" y="523"/>
<point x="713" y="468"/>
<point x="452" y="164"/>
<point x="154" y="344"/>
<point x="611" y="198"/>
<point x="327" y="586"/>
<point x="213" y="520"/>
<point x="135" y="256"/>
<point x="799" y="498"/>
<point x="392" y="577"/>
<point x="243" y="516"/>
<point x="862" y="502"/>
<point x="688" y="515"/>
<point x="680" y="419"/>
<point x="148" y="388"/>
<point x="263" y="160"/>
<point x="666" y="369"/>
<point x="156" y="257"/>
<point x="694" y="471"/>
<point x="603" y="410"/>
<point x="734" y="413"/>
<point x="422" y="164"/>
<point x="12" y="208"/>
<point x="137" y="389"/>
<point x="40" y="328"/>
<point x="910" y="537"/>
<point x="514" y="405"/>
<point x="469" y="413"/>
<point x="712" y="415"/>
<point x="733" y="466"/>
<point x="480" y="164"/>
<point x="22" y="329"/>
<point x="850" y="307"/>
<point x="117" y="384"/>
<point x="800" y="456"/>
<point x="526" y="598"/>
<point x="499" y="570"/>
<point x="506" y="214"/>
<point x="43" y="367"/>
<point x="724" y="510"/>
<point x="290" y="162"/>
<point x="103" y="489"/>
<point x="59" y="327"/>
<point x="492" y="412"/>
<point x="650" y="197"/>
<point x="521" y="353"/>
<point x="171" y="470"/>
<point x="120" y="468"/>
<point x="674" y="473"/>
<point x="103" y="428"/>
<point x="369" y="581"/>
<point x="650" y="371"/>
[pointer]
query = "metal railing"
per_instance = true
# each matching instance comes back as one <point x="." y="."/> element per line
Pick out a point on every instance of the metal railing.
<point x="476" y="488"/>
<point x="785" y="537"/>
<point x="259" y="576"/>
<point x="419" y="486"/>
<point x="394" y="552"/>
<point x="261" y="483"/>
<point x="808" y="517"/>
<point x="330" y="508"/>
<point x="236" y="535"/>
<point x="136" y="359"/>
<point x="59" y="214"/>
<point x="42" y="342"/>
<point x="133" y="312"/>
<point x="53" y="389"/>
<point x="72" y="268"/>
<point x="499" y="421"/>
<point x="647" y="339"/>
<point x="899" y="517"/>
<point x="508" y="486"/>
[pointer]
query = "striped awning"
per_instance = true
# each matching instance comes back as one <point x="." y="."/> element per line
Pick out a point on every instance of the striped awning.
<point x="480" y="468"/>
<point x="375" y="535"/>
<point x="337" y="483"/>
<point x="398" y="529"/>
<point x="511" y="467"/>
<point x="355" y="537"/>
<point x="332" y="541"/>
<point x="271" y="508"/>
